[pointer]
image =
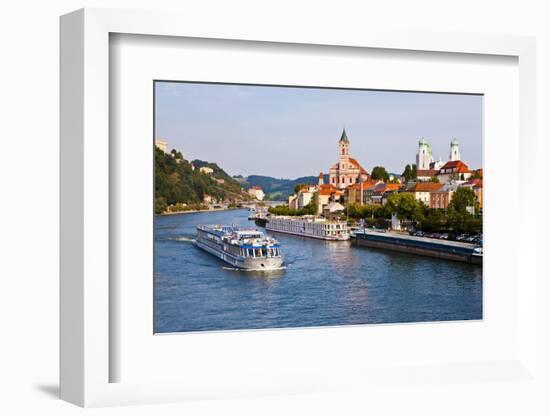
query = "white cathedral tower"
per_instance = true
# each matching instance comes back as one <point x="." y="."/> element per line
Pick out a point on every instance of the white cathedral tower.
<point x="424" y="156"/>
<point x="455" y="151"/>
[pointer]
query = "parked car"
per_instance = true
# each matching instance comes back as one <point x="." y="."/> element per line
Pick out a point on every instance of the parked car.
<point x="478" y="240"/>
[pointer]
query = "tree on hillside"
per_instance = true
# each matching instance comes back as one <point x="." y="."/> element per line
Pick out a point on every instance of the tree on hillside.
<point x="379" y="172"/>
<point x="405" y="206"/>
<point x="298" y="187"/>
<point x="176" y="155"/>
<point x="462" y="199"/>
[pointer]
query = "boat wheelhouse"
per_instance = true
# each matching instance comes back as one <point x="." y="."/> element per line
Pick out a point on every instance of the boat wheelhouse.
<point x="245" y="248"/>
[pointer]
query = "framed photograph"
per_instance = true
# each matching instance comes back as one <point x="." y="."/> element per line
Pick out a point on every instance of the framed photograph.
<point x="266" y="213"/>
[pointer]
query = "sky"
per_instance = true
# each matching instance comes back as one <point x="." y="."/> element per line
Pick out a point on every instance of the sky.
<point x="288" y="132"/>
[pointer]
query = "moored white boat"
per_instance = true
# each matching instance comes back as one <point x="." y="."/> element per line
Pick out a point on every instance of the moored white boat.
<point x="309" y="226"/>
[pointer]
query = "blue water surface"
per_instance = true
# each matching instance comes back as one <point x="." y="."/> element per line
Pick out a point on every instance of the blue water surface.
<point x="325" y="283"/>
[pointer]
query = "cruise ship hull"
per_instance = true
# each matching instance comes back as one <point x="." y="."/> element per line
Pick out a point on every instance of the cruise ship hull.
<point x="318" y="237"/>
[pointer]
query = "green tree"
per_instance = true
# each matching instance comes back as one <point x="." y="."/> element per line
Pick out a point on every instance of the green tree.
<point x="405" y="206"/>
<point x="298" y="187"/>
<point x="160" y="205"/>
<point x="434" y="220"/>
<point x="463" y="222"/>
<point x="369" y="211"/>
<point x="408" y="173"/>
<point x="462" y="198"/>
<point x="434" y="179"/>
<point x="379" y="172"/>
<point x="414" y="171"/>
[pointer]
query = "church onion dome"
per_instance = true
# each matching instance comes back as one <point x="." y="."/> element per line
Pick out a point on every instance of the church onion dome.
<point x="321" y="175"/>
<point x="344" y="138"/>
<point x="454" y="142"/>
<point x="423" y="142"/>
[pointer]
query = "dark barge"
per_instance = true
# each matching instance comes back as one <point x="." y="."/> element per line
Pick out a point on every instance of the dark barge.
<point x="443" y="249"/>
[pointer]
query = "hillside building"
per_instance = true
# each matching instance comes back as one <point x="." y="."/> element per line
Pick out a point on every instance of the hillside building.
<point x="162" y="145"/>
<point x="206" y="170"/>
<point x="257" y="192"/>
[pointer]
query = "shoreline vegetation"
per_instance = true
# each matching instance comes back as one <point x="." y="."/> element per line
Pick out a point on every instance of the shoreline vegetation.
<point x="194" y="211"/>
<point x="190" y="209"/>
<point x="182" y="185"/>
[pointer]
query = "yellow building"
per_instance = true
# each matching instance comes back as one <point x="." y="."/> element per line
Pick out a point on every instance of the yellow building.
<point x="162" y="145"/>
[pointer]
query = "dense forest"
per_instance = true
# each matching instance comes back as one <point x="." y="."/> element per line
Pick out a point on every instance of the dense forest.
<point x="177" y="183"/>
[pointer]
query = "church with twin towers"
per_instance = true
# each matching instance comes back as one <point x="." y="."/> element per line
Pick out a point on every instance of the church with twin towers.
<point x="425" y="159"/>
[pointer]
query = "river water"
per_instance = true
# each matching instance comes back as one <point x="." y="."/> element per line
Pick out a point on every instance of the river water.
<point x="325" y="283"/>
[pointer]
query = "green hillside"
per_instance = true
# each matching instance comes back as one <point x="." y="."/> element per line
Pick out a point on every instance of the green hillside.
<point x="177" y="182"/>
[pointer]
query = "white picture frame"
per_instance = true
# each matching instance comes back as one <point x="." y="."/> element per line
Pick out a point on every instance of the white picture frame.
<point x="86" y="303"/>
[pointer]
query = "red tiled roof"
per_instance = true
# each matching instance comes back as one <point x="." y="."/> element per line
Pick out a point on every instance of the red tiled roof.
<point x="426" y="187"/>
<point x="427" y="172"/>
<point x="393" y="186"/>
<point x="362" y="185"/>
<point x="328" y="189"/>
<point x="357" y="165"/>
<point x="457" y="165"/>
<point x="476" y="183"/>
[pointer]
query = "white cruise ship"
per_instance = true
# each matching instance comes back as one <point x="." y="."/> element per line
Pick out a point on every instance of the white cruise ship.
<point x="313" y="227"/>
<point x="244" y="248"/>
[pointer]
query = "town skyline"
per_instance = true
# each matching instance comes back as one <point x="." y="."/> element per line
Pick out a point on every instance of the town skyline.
<point x="222" y="123"/>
